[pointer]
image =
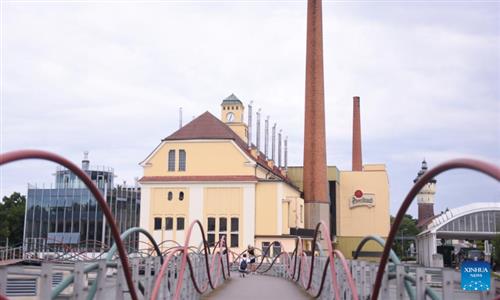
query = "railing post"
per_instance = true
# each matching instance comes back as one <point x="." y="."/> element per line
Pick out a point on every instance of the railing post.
<point x="400" y="282"/>
<point x="362" y="293"/>
<point x="120" y="279"/>
<point x="101" y="279"/>
<point x="448" y="284"/>
<point x="420" y="283"/>
<point x="3" y="280"/>
<point x="135" y="272"/>
<point x="147" y="277"/>
<point x="78" y="282"/>
<point x="385" y="283"/>
<point x="46" y="280"/>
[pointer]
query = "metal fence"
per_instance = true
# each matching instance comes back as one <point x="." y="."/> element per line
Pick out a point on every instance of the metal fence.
<point x="42" y="282"/>
<point x="401" y="282"/>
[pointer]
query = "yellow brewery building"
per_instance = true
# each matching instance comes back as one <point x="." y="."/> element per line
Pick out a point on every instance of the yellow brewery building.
<point x="208" y="170"/>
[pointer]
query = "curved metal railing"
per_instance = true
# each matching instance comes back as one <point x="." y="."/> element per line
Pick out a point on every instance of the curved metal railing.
<point x="483" y="167"/>
<point x="297" y="265"/>
<point x="37" y="154"/>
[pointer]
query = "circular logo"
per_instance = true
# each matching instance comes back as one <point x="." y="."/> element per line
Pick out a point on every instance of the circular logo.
<point x="358" y="194"/>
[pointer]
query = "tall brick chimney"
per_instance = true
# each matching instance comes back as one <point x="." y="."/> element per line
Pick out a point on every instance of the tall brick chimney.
<point x="357" y="161"/>
<point x="317" y="204"/>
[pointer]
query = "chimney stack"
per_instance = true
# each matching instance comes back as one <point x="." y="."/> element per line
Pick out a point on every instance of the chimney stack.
<point x="273" y="143"/>
<point x="316" y="199"/>
<point x="180" y="117"/>
<point x="266" y="138"/>
<point x="286" y="153"/>
<point x="357" y="161"/>
<point x="279" y="149"/>
<point x="250" y="124"/>
<point x="258" y="131"/>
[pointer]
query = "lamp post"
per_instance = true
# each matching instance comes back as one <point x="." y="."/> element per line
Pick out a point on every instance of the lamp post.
<point x="402" y="243"/>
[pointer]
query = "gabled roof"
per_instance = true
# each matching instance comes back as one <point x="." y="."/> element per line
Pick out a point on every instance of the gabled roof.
<point x="209" y="127"/>
<point x="206" y="126"/>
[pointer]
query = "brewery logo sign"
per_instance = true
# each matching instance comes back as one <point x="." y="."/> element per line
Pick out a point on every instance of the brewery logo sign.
<point x="476" y="275"/>
<point x="362" y="199"/>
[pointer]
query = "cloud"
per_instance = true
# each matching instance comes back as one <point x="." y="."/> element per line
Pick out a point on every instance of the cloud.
<point x="110" y="78"/>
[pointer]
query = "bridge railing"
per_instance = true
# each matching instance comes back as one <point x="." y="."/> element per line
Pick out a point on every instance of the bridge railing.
<point x="11" y="253"/>
<point x="109" y="278"/>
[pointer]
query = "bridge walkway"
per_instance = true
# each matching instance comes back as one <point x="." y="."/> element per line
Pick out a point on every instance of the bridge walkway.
<point x="260" y="287"/>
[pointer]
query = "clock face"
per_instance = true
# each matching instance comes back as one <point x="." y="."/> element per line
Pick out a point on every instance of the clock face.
<point x="230" y="117"/>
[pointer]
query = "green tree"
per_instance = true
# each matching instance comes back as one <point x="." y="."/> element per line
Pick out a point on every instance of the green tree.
<point x="408" y="228"/>
<point x="12" y="218"/>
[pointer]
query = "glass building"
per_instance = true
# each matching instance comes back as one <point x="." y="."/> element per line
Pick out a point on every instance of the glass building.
<point x="67" y="215"/>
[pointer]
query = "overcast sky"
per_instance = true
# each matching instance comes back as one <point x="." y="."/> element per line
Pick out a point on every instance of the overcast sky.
<point x="109" y="77"/>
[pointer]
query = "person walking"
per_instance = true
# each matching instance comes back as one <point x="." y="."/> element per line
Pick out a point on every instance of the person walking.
<point x="251" y="254"/>
<point x="243" y="265"/>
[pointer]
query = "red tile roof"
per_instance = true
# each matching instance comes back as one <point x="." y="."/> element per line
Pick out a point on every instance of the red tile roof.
<point x="206" y="126"/>
<point x="232" y="178"/>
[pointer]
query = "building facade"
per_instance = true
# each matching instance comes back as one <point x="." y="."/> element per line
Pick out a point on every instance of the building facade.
<point x="208" y="171"/>
<point x="67" y="213"/>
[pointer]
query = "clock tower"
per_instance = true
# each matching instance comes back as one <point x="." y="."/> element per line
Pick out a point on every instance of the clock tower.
<point x="232" y="113"/>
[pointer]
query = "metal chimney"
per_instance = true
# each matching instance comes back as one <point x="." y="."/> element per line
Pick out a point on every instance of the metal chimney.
<point x="257" y="142"/>
<point x="250" y="124"/>
<point x="266" y="137"/>
<point x="180" y="117"/>
<point x="273" y="143"/>
<point x="279" y="148"/>
<point x="357" y="162"/>
<point x="286" y="153"/>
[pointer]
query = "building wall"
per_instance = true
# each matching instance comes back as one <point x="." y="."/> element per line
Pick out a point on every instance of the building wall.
<point x="162" y="207"/>
<point x="266" y="208"/>
<point x="347" y="245"/>
<point x="201" y="201"/>
<point x="363" y="220"/>
<point x="203" y="158"/>
<point x="224" y="202"/>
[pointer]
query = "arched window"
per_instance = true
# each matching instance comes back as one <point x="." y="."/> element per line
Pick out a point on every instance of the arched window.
<point x="181" y="196"/>
<point x="171" y="160"/>
<point x="182" y="160"/>
<point x="170" y="196"/>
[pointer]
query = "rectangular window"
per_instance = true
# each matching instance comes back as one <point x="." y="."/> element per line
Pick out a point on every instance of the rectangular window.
<point x="211" y="224"/>
<point x="235" y="224"/>
<point x="222" y="224"/>
<point x="169" y="223"/>
<point x="211" y="239"/>
<point x="234" y="233"/>
<point x="171" y="160"/>
<point x="157" y="223"/>
<point x="182" y="160"/>
<point x="234" y="240"/>
<point x="211" y="231"/>
<point x="276" y="249"/>
<point x="180" y="223"/>
<point x="265" y="248"/>
<point x="223" y="228"/>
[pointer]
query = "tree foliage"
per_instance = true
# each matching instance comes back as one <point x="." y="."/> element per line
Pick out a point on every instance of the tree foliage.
<point x="408" y="228"/>
<point x="12" y="210"/>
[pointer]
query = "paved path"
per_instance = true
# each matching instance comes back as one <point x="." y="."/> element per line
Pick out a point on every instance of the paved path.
<point x="257" y="287"/>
